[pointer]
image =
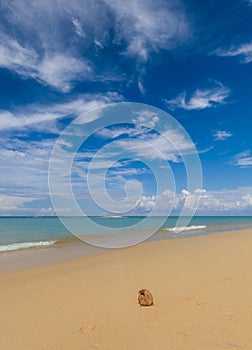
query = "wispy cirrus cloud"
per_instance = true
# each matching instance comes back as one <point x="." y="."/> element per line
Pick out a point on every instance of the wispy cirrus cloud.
<point x="43" y="43"/>
<point x="30" y="161"/>
<point x="201" y="98"/>
<point x="12" y="203"/>
<point x="148" y="26"/>
<point x="57" y="43"/>
<point x="221" y="135"/>
<point x="55" y="69"/>
<point x="243" y="51"/>
<point x="169" y="145"/>
<point x="78" y="27"/>
<point x="108" y="133"/>
<point x="243" y="159"/>
<point x="30" y="158"/>
<point x="38" y="117"/>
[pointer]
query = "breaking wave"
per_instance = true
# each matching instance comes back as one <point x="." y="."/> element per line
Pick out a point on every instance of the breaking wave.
<point x="25" y="245"/>
<point x="186" y="228"/>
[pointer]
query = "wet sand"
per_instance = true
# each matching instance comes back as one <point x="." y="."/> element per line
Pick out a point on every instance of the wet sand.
<point x="202" y="288"/>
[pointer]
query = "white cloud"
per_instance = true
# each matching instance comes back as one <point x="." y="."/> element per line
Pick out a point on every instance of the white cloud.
<point x="93" y="103"/>
<point x="49" y="211"/>
<point x="15" y="56"/>
<point x="225" y="201"/>
<point x="141" y="87"/>
<point x="60" y="71"/>
<point x="247" y="199"/>
<point x="24" y="177"/>
<point x="201" y="99"/>
<point x="56" y="69"/>
<point x="98" y="44"/>
<point x="146" y="118"/>
<point x="244" y="51"/>
<point x="10" y="121"/>
<point x="185" y="192"/>
<point x="24" y="165"/>
<point x="148" y="26"/>
<point x="116" y="132"/>
<point x="78" y="27"/>
<point x="167" y="199"/>
<point x="143" y="121"/>
<point x="8" y="202"/>
<point x="221" y="135"/>
<point x="44" y="117"/>
<point x="168" y="145"/>
<point x="29" y="183"/>
<point x="243" y="159"/>
<point x="128" y="172"/>
<point x="147" y="203"/>
<point x="45" y="37"/>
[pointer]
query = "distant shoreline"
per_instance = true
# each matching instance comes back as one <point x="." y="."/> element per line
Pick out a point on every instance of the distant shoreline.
<point x="118" y="216"/>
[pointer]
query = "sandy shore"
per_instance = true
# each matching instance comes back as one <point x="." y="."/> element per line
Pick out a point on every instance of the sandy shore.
<point x="202" y="290"/>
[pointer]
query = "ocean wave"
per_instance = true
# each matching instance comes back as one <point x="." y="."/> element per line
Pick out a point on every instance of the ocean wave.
<point x="25" y="245"/>
<point x="186" y="228"/>
<point x="111" y="217"/>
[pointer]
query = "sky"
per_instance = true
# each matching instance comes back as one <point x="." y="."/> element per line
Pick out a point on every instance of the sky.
<point x="62" y="65"/>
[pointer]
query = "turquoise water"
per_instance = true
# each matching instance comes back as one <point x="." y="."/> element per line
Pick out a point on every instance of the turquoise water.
<point x="26" y="232"/>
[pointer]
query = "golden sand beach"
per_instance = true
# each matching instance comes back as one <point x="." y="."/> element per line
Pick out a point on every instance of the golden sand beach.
<point x="202" y="289"/>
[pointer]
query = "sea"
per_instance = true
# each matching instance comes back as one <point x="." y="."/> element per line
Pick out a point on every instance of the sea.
<point x="25" y="233"/>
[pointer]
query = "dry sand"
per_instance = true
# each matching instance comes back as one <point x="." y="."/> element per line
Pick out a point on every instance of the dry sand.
<point x="202" y="290"/>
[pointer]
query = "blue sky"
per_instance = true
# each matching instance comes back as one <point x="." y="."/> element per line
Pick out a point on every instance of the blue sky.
<point x="191" y="59"/>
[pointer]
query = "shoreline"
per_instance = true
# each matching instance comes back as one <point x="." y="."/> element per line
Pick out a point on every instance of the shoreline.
<point x="64" y="251"/>
<point x="69" y="248"/>
<point x="201" y="287"/>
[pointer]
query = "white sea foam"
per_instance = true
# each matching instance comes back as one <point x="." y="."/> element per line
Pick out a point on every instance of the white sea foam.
<point x="186" y="228"/>
<point x="112" y="217"/>
<point x="25" y="245"/>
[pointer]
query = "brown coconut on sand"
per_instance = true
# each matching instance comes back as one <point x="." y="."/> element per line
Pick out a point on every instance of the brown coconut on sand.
<point x="145" y="297"/>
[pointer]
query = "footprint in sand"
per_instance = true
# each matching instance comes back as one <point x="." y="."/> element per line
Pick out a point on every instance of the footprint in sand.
<point x="182" y="334"/>
<point x="234" y="346"/>
<point x="196" y="301"/>
<point x="229" y="346"/>
<point x="229" y="312"/>
<point x="228" y="278"/>
<point x="86" y="329"/>
<point x="149" y="325"/>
